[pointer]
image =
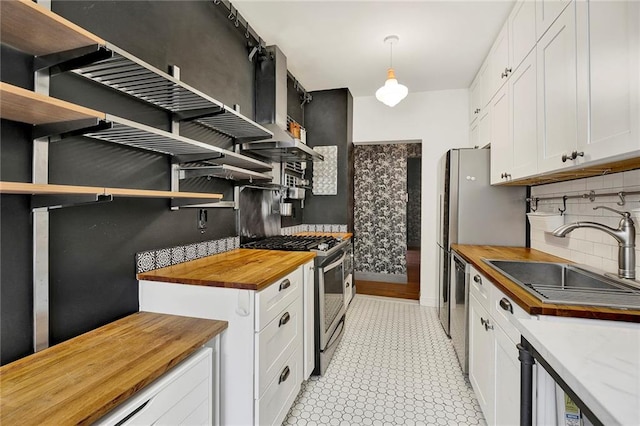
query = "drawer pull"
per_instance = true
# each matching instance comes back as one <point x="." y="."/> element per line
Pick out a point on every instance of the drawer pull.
<point x="506" y="305"/>
<point x="485" y="323"/>
<point x="285" y="285"/>
<point x="284" y="375"/>
<point x="477" y="279"/>
<point x="348" y="285"/>
<point x="284" y="319"/>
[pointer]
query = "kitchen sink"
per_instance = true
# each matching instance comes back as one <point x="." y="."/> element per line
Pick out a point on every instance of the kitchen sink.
<point x="569" y="284"/>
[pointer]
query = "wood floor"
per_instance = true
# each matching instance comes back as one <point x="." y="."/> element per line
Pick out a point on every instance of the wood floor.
<point x="410" y="290"/>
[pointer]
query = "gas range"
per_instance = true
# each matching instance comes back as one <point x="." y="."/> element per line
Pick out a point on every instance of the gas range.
<point x="321" y="245"/>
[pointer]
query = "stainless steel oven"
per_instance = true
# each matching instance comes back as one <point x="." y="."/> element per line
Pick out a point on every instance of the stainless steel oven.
<point x="330" y="309"/>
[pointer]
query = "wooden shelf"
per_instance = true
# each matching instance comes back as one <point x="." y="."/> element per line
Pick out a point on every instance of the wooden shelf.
<point x="52" y="189"/>
<point x="25" y="106"/>
<point x="32" y="29"/>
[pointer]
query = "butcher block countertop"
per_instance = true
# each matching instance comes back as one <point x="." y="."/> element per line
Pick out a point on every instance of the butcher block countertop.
<point x="241" y="268"/>
<point x="475" y="254"/>
<point x="82" y="379"/>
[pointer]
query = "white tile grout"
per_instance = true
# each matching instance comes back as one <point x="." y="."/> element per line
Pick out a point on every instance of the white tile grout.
<point x="394" y="366"/>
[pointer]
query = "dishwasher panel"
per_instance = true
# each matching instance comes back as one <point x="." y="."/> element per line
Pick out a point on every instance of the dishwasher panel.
<point x="459" y="305"/>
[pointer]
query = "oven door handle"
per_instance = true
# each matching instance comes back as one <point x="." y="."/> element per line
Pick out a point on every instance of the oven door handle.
<point x="334" y="264"/>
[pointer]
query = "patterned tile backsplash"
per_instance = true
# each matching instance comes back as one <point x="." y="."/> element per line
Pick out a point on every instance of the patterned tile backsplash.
<point x="154" y="259"/>
<point x="292" y="230"/>
<point x="589" y="246"/>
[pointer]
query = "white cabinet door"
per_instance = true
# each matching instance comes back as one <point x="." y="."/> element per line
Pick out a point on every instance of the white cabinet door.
<point x="501" y="147"/>
<point x="474" y="100"/>
<point x="499" y="60"/>
<point x="485" y="86"/>
<point x="522" y="31"/>
<point x="609" y="78"/>
<point x="507" y="390"/>
<point x="522" y="93"/>
<point x="484" y="128"/>
<point x="481" y="358"/>
<point x="557" y="103"/>
<point x="546" y="12"/>
<point x="474" y="136"/>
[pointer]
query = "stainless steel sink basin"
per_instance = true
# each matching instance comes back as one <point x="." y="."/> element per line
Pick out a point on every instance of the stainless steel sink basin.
<point x="569" y="284"/>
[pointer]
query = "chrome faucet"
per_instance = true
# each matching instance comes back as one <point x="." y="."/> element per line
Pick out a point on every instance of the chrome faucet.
<point x="625" y="235"/>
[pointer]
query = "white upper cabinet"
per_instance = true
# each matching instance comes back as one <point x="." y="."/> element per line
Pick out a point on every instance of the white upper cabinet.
<point x="608" y="78"/>
<point x="557" y="103"/>
<point x="479" y="93"/>
<point x="499" y="63"/>
<point x="522" y="31"/>
<point x="474" y="100"/>
<point x="546" y="13"/>
<point x="474" y="136"/>
<point x="523" y="112"/>
<point x="484" y="128"/>
<point x="501" y="147"/>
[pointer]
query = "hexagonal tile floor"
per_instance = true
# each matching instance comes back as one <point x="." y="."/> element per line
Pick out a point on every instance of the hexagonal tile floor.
<point x="394" y="366"/>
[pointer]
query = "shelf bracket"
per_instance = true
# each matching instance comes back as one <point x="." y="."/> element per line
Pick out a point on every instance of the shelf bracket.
<point x="53" y="202"/>
<point x="69" y="60"/>
<point x="59" y="131"/>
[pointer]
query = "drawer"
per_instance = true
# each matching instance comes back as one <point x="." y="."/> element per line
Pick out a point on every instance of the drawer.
<point x="178" y="394"/>
<point x="279" y="396"/>
<point x="479" y="286"/>
<point x="273" y="299"/>
<point x="505" y="312"/>
<point x="275" y="343"/>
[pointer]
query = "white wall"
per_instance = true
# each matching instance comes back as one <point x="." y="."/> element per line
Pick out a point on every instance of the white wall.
<point x="588" y="246"/>
<point x="440" y="120"/>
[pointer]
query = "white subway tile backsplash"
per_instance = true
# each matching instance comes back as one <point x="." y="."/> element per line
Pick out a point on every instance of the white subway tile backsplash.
<point x="588" y="246"/>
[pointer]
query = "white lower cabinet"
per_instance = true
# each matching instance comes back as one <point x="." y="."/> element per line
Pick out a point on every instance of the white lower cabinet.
<point x="494" y="368"/>
<point x="263" y="349"/>
<point x="481" y="358"/>
<point x="186" y="394"/>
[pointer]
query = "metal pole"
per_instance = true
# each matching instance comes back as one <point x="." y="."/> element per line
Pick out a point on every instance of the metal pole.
<point x="526" y="383"/>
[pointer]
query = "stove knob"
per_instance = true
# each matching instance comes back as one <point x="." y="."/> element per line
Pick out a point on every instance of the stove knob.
<point x="323" y="246"/>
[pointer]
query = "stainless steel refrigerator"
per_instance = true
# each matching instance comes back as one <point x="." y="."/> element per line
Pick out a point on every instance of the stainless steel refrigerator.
<point x="472" y="212"/>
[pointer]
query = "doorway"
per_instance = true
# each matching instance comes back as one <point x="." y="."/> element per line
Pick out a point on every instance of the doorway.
<point x="387" y="184"/>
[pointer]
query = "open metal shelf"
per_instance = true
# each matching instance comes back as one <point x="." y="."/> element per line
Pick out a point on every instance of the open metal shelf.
<point x="128" y="74"/>
<point x="127" y="132"/>
<point x="222" y="171"/>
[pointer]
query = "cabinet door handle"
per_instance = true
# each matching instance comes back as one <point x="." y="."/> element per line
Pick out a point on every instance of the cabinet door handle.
<point x="477" y="279"/>
<point x="284" y="375"/>
<point x="285" y="285"/>
<point x="482" y="321"/>
<point x="348" y="285"/>
<point x="488" y="326"/>
<point x="572" y="156"/>
<point x="284" y="319"/>
<point x="505" y="175"/>
<point x="506" y="305"/>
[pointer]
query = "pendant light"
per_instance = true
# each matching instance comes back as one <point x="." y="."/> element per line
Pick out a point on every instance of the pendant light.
<point x="392" y="92"/>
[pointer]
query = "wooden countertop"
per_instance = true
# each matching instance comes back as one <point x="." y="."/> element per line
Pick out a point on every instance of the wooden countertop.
<point x="475" y="254"/>
<point x="240" y="268"/>
<point x="82" y="379"/>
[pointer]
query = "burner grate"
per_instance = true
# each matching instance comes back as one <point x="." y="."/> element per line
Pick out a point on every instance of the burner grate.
<point x="291" y="243"/>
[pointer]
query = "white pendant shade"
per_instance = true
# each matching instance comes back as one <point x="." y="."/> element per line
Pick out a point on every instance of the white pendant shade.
<point x="392" y="92"/>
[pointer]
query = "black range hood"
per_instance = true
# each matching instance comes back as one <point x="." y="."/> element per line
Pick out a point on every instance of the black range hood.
<point x="271" y="112"/>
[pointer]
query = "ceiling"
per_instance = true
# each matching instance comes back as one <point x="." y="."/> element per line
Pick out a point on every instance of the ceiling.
<point x="335" y="44"/>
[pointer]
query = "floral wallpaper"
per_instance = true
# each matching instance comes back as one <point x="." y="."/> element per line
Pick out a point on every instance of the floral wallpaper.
<point x="380" y="209"/>
<point x="414" y="183"/>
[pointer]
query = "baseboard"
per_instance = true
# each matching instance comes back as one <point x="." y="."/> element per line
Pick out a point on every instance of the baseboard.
<point x="385" y="278"/>
<point x="429" y="301"/>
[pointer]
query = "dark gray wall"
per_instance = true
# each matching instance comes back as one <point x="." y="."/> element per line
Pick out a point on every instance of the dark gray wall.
<point x="92" y="268"/>
<point x="328" y="120"/>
